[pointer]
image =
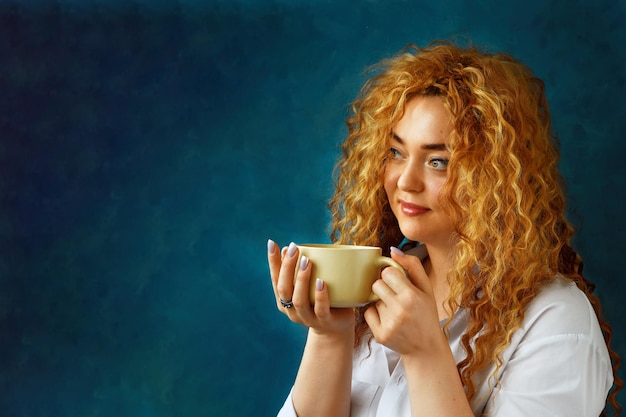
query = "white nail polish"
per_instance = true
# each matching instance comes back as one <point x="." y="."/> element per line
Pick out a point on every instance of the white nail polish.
<point x="304" y="262"/>
<point x="292" y="249"/>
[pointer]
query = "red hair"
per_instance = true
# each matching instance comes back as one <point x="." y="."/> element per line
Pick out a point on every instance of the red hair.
<point x="504" y="192"/>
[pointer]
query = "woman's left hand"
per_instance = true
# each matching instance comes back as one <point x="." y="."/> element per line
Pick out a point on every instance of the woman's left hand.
<point x="406" y="317"/>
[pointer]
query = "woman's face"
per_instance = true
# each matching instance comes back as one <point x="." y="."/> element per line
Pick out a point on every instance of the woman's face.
<point x="416" y="169"/>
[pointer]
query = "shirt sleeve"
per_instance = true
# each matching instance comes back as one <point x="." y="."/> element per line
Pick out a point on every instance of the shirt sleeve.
<point x="560" y="367"/>
<point x="287" y="410"/>
<point x="565" y="375"/>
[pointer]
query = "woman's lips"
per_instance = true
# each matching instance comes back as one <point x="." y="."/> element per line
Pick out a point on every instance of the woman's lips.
<point x="410" y="209"/>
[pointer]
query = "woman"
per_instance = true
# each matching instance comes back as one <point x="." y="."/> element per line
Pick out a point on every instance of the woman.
<point x="452" y="148"/>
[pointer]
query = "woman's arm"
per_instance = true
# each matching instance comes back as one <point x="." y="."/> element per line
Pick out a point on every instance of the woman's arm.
<point x="435" y="388"/>
<point x="323" y="383"/>
<point x="406" y="319"/>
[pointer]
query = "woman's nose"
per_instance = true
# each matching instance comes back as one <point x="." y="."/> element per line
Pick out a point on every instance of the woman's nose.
<point x="410" y="178"/>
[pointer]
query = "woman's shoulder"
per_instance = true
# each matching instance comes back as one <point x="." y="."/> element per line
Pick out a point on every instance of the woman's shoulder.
<point x="558" y="350"/>
<point x="560" y="308"/>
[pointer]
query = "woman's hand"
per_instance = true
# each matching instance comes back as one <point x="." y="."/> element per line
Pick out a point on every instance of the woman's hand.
<point x="291" y="282"/>
<point x="405" y="318"/>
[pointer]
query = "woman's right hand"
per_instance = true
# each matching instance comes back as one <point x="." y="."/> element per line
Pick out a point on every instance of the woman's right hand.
<point x="289" y="284"/>
<point x="318" y="389"/>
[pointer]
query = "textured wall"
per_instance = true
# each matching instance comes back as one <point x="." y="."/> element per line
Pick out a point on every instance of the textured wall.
<point x="148" y="150"/>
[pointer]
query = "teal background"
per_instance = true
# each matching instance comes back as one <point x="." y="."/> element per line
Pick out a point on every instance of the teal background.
<point x="148" y="149"/>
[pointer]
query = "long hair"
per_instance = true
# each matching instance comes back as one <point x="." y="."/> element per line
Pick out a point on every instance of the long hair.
<point x="504" y="193"/>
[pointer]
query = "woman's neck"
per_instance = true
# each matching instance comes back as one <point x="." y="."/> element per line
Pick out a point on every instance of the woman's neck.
<point x="437" y="266"/>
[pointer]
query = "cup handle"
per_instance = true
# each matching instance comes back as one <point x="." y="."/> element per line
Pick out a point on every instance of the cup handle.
<point x="382" y="262"/>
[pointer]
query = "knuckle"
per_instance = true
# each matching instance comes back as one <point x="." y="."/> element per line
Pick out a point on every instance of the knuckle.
<point x="299" y="303"/>
<point x="321" y="310"/>
<point x="284" y="287"/>
<point x="321" y="315"/>
<point x="408" y="298"/>
<point x="385" y="273"/>
<point x="402" y="317"/>
<point x="383" y="336"/>
<point x="302" y="278"/>
<point x="390" y="271"/>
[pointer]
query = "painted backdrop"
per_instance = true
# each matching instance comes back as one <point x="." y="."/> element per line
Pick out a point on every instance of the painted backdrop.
<point x="148" y="149"/>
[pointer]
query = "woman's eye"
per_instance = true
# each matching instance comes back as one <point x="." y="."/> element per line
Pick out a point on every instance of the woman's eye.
<point x="394" y="153"/>
<point x="439" y="164"/>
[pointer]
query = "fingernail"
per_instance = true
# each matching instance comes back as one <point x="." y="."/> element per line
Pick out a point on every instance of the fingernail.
<point x="396" y="251"/>
<point x="303" y="263"/>
<point x="291" y="250"/>
<point x="319" y="284"/>
<point x="271" y="246"/>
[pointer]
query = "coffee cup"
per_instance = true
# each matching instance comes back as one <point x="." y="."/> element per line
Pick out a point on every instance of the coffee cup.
<point x="348" y="271"/>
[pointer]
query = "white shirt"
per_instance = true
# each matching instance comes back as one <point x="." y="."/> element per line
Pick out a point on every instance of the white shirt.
<point x="557" y="364"/>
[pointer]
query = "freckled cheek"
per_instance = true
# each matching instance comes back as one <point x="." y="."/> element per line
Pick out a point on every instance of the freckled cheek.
<point x="439" y="196"/>
<point x="436" y="186"/>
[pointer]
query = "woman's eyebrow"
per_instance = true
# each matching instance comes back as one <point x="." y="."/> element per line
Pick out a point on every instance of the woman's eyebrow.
<point x="425" y="146"/>
<point x="397" y="138"/>
<point x="435" y="146"/>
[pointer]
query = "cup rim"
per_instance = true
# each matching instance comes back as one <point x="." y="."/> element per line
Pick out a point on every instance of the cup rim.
<point x="336" y="246"/>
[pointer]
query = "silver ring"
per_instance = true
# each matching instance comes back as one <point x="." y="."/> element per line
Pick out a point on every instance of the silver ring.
<point x="286" y="303"/>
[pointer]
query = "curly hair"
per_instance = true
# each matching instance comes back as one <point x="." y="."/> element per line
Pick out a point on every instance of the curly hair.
<point x="504" y="193"/>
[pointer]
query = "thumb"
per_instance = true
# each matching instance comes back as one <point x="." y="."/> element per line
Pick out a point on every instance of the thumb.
<point x="413" y="266"/>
